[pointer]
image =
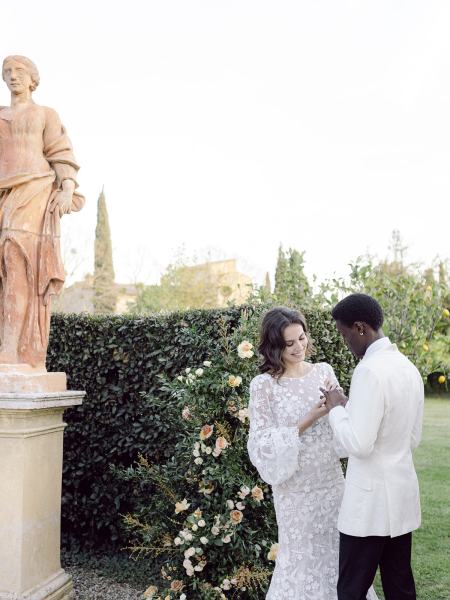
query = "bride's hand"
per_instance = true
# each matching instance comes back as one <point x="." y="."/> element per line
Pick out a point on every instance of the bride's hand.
<point x="319" y="410"/>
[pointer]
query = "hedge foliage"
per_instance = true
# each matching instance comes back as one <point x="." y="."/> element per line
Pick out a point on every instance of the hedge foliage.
<point x="118" y="361"/>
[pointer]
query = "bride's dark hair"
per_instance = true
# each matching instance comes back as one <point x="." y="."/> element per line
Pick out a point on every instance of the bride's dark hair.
<point x="271" y="341"/>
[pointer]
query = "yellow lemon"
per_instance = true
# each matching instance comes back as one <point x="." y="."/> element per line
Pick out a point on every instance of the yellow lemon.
<point x="446" y="313"/>
<point x="441" y="379"/>
<point x="426" y="347"/>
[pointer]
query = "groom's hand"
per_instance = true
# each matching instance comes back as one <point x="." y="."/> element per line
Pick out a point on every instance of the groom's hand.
<point x="334" y="398"/>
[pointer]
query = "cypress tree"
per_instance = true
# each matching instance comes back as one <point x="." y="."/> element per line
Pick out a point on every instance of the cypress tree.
<point x="105" y="295"/>
<point x="281" y="275"/>
<point x="267" y="284"/>
<point x="291" y="284"/>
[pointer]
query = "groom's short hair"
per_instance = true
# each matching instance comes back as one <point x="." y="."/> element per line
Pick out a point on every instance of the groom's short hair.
<point x="359" y="307"/>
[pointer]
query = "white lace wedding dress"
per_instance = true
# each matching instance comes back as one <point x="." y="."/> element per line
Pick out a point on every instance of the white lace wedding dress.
<point x="307" y="482"/>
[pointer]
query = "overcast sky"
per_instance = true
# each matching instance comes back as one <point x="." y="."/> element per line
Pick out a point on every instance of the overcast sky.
<point x="229" y="127"/>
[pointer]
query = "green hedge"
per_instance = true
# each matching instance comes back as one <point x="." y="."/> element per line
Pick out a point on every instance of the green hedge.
<point x="114" y="359"/>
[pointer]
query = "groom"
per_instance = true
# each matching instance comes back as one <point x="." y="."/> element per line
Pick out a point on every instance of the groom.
<point x="379" y="427"/>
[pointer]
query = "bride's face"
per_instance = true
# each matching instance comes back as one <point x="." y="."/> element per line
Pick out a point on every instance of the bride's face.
<point x="296" y="343"/>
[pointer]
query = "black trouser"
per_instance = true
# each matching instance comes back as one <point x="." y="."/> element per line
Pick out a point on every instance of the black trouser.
<point x="359" y="558"/>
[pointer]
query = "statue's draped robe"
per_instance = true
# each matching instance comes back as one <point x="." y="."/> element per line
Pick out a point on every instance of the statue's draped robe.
<point x="35" y="157"/>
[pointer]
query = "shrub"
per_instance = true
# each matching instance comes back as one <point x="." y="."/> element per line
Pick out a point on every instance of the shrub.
<point x="206" y="517"/>
<point x="115" y="358"/>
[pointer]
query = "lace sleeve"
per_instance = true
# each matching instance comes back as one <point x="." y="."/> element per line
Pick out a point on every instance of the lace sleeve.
<point x="273" y="450"/>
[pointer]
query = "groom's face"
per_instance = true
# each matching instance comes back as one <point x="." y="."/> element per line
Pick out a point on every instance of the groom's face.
<point x="353" y="338"/>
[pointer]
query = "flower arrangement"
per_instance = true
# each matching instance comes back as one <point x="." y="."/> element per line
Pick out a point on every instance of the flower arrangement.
<point x="209" y="516"/>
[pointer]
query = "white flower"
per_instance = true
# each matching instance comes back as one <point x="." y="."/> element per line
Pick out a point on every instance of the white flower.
<point x="188" y="566"/>
<point x="183" y="597"/>
<point x="226" y="539"/>
<point x="198" y="460"/>
<point x="216" y="452"/>
<point x="245" y="349"/>
<point x="226" y="584"/>
<point x="204" y="540"/>
<point x="196" y="452"/>
<point x="272" y="554"/>
<point x="199" y="372"/>
<point x="201" y="523"/>
<point x="180" y="378"/>
<point x="177" y="541"/>
<point x="194" y="527"/>
<point x="245" y="491"/>
<point x="243" y="415"/>
<point x="181" y="506"/>
<point x="201" y="565"/>
<point x="230" y="504"/>
<point x="240" y="505"/>
<point x="188" y="370"/>
<point x="186" y="414"/>
<point x="206" y="363"/>
<point x="189" y="552"/>
<point x="188" y="537"/>
<point x="215" y="530"/>
<point x="208" y="450"/>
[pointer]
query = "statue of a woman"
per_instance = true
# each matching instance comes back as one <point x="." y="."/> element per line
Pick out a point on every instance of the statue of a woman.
<point x="37" y="186"/>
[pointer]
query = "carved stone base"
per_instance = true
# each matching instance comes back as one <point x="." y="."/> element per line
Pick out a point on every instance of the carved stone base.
<point x="57" y="587"/>
<point x="31" y="443"/>
<point x="24" y="379"/>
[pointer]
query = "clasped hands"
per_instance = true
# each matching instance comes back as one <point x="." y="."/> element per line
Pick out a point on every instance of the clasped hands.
<point x="332" y="396"/>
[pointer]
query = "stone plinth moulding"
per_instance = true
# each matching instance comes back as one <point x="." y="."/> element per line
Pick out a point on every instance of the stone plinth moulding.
<point x="31" y="450"/>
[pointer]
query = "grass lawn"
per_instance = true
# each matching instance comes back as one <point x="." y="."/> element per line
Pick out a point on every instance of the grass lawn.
<point x="431" y="543"/>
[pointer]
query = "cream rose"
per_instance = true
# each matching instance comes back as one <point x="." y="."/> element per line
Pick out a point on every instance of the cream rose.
<point x="181" y="506"/>
<point x="245" y="349"/>
<point x="272" y="554"/>
<point x="234" y="381"/>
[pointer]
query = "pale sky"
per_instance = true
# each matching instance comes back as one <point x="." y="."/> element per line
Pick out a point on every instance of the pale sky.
<point x="228" y="127"/>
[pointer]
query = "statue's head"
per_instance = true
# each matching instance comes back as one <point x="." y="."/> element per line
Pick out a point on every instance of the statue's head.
<point x="25" y="63"/>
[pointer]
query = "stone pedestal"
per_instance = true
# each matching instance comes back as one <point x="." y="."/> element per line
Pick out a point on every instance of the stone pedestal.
<point x="31" y="444"/>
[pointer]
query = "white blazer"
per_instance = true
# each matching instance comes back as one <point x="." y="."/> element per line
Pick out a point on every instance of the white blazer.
<point x="379" y="427"/>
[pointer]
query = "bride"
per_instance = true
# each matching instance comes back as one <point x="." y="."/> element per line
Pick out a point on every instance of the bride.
<point x="291" y="445"/>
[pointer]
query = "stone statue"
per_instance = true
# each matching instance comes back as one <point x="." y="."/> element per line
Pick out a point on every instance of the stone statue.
<point x="37" y="186"/>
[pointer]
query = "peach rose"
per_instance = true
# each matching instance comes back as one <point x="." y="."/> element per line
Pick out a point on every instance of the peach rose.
<point x="257" y="494"/>
<point x="176" y="585"/>
<point x="221" y="443"/>
<point x="236" y="516"/>
<point x="206" y="432"/>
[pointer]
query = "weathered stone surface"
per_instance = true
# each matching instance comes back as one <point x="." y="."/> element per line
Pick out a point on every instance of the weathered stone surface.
<point x="37" y="186"/>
